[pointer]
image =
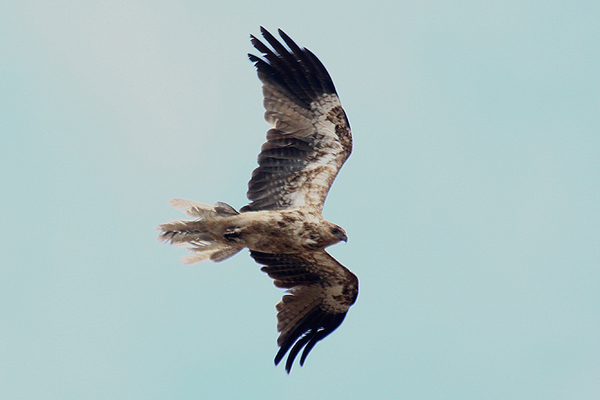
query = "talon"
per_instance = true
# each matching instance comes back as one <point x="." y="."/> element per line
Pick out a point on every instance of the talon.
<point x="232" y="235"/>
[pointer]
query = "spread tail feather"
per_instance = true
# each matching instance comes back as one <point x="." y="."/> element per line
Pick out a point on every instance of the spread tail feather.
<point x="200" y="241"/>
<point x="201" y="210"/>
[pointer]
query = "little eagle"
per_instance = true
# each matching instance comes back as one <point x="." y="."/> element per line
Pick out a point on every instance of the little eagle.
<point x="283" y="226"/>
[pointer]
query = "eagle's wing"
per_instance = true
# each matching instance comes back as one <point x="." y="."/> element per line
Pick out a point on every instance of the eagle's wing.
<point x="310" y="139"/>
<point x="321" y="290"/>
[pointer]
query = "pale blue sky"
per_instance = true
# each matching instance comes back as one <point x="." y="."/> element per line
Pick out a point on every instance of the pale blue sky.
<point x="472" y="200"/>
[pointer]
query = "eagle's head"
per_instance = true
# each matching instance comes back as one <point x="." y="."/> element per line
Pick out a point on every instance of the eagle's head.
<point x="335" y="234"/>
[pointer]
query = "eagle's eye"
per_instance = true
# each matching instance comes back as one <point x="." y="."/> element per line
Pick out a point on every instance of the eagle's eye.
<point x="335" y="231"/>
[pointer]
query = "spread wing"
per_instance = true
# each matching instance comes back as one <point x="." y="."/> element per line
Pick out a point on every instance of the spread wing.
<point x="321" y="290"/>
<point x="310" y="139"/>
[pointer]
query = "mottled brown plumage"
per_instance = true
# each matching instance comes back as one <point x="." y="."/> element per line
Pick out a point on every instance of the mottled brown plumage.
<point x="283" y="225"/>
<point x="218" y="229"/>
<point x="321" y="292"/>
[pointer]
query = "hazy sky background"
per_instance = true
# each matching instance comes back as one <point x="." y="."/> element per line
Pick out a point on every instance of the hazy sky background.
<point x="472" y="199"/>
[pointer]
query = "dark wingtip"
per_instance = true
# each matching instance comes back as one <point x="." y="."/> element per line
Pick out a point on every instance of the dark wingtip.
<point x="327" y="325"/>
<point x="293" y="68"/>
<point x="279" y="357"/>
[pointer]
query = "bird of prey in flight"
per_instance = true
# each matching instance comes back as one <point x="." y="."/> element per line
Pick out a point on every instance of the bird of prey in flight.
<point x="283" y="225"/>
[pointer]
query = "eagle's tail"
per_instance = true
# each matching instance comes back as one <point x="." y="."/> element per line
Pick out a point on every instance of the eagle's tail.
<point x="200" y="240"/>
